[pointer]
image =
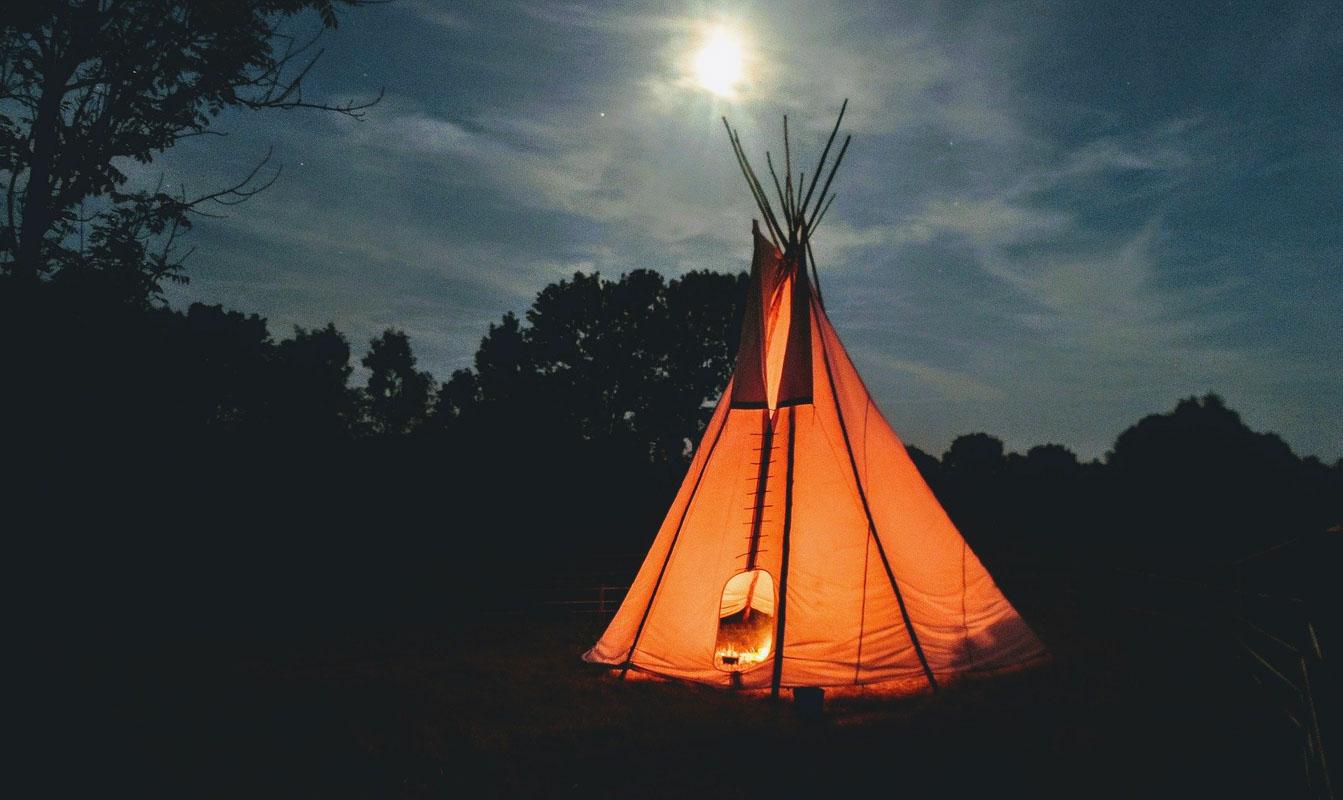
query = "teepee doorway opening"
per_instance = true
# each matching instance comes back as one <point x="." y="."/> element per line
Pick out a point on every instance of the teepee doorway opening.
<point x="745" y="622"/>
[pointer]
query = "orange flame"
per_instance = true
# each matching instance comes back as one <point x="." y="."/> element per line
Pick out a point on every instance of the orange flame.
<point x="744" y="658"/>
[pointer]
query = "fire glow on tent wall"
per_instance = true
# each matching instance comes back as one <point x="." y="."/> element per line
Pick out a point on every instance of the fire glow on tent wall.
<point x="803" y="547"/>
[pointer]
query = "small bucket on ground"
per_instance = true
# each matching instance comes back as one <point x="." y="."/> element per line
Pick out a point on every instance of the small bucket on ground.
<point x="809" y="702"/>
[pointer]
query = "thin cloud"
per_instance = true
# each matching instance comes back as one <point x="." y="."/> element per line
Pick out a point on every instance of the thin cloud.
<point x="1017" y="247"/>
<point x="435" y="14"/>
<point x="947" y="384"/>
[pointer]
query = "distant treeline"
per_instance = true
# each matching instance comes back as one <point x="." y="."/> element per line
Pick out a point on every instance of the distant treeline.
<point x="631" y="362"/>
<point x="198" y="458"/>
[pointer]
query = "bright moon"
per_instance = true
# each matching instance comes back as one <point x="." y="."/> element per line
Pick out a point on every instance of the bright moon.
<point x="718" y="65"/>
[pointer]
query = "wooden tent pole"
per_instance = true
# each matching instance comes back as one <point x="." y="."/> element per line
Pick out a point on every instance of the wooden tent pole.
<point x="811" y="223"/>
<point x="801" y="180"/>
<point x="759" y="189"/>
<point x="788" y="210"/>
<point x="821" y="164"/>
<point x="783" y="198"/>
<point x="751" y="183"/>
<point x="815" y="278"/>
<point x="771" y="226"/>
<point x="782" y="603"/>
<point x="821" y="215"/>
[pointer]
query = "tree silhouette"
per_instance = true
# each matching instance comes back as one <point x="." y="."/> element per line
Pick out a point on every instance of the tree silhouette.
<point x="397" y="394"/>
<point x="973" y="455"/>
<point x="505" y="370"/>
<point x="85" y="85"/>
<point x="632" y="362"/>
<point x="312" y="394"/>
<point x="224" y="371"/>
<point x="455" y="396"/>
<point x="1048" y="461"/>
<point x="1201" y="435"/>
<point x="1198" y="480"/>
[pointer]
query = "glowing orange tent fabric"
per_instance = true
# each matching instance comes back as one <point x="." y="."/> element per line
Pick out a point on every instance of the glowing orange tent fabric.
<point x="799" y="475"/>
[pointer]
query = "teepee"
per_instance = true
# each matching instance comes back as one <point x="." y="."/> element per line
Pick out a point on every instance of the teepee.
<point x="803" y="547"/>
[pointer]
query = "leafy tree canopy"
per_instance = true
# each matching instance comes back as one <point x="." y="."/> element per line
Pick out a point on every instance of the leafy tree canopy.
<point x="398" y="394"/>
<point x="634" y="359"/>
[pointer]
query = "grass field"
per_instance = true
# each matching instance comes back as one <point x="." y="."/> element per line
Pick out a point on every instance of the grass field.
<point x="502" y="706"/>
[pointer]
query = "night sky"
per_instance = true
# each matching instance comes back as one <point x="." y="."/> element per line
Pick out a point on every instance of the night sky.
<point x="1053" y="219"/>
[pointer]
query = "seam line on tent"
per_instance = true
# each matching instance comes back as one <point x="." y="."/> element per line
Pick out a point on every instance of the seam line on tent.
<point x="871" y="523"/>
<point x="965" y="622"/>
<point x="694" y="490"/>
<point x="867" y="550"/>
<point x="833" y="662"/>
<point x="862" y="608"/>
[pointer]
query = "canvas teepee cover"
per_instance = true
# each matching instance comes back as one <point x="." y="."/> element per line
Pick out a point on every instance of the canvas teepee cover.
<point x="803" y="547"/>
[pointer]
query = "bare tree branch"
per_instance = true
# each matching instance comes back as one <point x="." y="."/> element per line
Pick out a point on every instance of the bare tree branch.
<point x="239" y="192"/>
<point x="86" y="82"/>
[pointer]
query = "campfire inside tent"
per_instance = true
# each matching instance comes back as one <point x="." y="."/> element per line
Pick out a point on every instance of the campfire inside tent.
<point x="745" y="622"/>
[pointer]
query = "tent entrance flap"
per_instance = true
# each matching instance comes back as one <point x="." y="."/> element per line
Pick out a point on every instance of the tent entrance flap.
<point x="745" y="622"/>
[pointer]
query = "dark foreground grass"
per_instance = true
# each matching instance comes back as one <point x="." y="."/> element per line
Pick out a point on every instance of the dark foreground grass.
<point x="502" y="706"/>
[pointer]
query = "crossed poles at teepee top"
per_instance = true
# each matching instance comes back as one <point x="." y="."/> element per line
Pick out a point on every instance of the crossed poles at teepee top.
<point x="800" y="214"/>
